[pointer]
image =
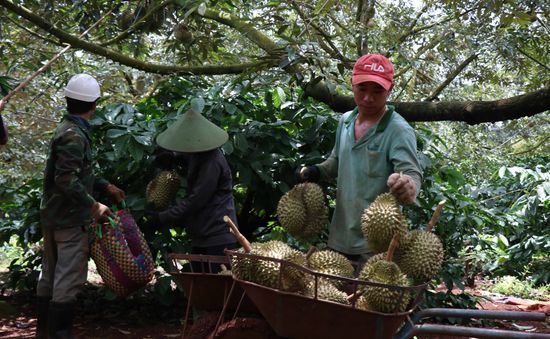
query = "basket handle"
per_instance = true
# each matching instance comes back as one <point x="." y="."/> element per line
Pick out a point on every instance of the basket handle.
<point x="240" y="238"/>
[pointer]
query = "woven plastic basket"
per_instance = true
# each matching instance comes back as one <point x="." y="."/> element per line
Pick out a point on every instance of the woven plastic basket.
<point x="121" y="254"/>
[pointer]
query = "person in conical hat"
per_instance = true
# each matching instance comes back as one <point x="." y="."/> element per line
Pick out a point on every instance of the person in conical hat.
<point x="195" y="141"/>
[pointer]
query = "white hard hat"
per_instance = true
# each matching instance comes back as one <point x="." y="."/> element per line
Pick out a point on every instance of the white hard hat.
<point x="83" y="87"/>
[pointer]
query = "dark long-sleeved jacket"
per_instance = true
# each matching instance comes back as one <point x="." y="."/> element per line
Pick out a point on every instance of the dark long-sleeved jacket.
<point x="68" y="178"/>
<point x="209" y="197"/>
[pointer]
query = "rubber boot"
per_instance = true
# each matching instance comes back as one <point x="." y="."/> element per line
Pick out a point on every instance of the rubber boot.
<point x="60" y="320"/>
<point x="42" y="307"/>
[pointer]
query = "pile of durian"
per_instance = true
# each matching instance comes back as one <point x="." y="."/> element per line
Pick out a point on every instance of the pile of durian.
<point x="295" y="279"/>
<point x="404" y="258"/>
<point x="302" y="211"/>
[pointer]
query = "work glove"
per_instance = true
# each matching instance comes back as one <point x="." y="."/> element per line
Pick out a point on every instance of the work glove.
<point x="307" y="174"/>
<point x="100" y="212"/>
<point x="116" y="193"/>
<point x="165" y="160"/>
<point x="402" y="187"/>
<point x="153" y="219"/>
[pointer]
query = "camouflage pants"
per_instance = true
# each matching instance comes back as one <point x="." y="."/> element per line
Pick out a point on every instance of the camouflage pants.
<point x="64" y="264"/>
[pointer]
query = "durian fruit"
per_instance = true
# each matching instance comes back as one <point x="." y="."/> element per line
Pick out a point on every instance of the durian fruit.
<point x="162" y="190"/>
<point x="314" y="198"/>
<point x="292" y="212"/>
<point x="422" y="256"/>
<point x="302" y="211"/>
<point x="381" y="221"/>
<point x="383" y="299"/>
<point x="126" y="19"/>
<point x="182" y="33"/>
<point x="243" y="268"/>
<point x="266" y="272"/>
<point x="156" y="19"/>
<point x="422" y="253"/>
<point x="331" y="262"/>
<point x="326" y="291"/>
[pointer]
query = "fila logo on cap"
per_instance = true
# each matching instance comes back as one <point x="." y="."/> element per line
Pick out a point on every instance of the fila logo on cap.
<point x="374" y="67"/>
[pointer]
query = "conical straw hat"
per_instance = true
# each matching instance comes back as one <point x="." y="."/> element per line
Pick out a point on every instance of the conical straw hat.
<point x="192" y="132"/>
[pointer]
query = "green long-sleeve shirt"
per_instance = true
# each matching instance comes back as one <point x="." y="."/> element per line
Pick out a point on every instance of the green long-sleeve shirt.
<point x="68" y="178"/>
<point x="362" y="169"/>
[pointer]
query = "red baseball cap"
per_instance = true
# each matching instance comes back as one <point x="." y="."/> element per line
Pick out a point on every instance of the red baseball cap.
<point x="373" y="67"/>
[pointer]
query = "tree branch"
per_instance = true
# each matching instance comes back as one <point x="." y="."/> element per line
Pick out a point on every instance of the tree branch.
<point x="324" y="39"/>
<point x="131" y="62"/>
<point x="451" y="76"/>
<point x="365" y="13"/>
<point x="471" y="112"/>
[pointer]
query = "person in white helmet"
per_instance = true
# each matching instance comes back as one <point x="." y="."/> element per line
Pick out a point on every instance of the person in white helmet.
<point x="67" y="209"/>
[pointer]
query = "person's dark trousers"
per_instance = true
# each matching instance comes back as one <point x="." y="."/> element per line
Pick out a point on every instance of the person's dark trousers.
<point x="42" y="308"/>
<point x="60" y="320"/>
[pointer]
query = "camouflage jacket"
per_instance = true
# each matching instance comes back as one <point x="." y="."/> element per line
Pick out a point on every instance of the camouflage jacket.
<point x="68" y="179"/>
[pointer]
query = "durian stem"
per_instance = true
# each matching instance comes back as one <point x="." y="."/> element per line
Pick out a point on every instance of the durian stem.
<point x="393" y="245"/>
<point x="311" y="250"/>
<point x="435" y="216"/>
<point x="240" y="238"/>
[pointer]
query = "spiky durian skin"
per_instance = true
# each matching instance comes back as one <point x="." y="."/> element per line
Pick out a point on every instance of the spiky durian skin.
<point x="383" y="299"/>
<point x="331" y="262"/>
<point x="242" y="267"/>
<point x="266" y="272"/>
<point x="293" y="279"/>
<point x="302" y="211"/>
<point x="422" y="255"/>
<point x="381" y="221"/>
<point x="326" y="291"/>
<point x="291" y="213"/>
<point x="162" y="190"/>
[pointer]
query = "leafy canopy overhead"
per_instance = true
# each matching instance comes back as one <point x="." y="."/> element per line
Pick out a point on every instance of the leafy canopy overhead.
<point x="446" y="52"/>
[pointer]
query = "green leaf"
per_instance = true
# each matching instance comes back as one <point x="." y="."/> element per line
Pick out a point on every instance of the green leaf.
<point x="143" y="139"/>
<point x="115" y="133"/>
<point x="240" y="143"/>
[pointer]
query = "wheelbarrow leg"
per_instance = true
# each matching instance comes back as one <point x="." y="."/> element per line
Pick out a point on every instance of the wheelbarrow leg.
<point x="222" y="314"/>
<point x="187" y="308"/>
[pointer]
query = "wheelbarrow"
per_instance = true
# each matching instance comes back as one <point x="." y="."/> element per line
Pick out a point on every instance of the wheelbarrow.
<point x="293" y="315"/>
<point x="205" y="291"/>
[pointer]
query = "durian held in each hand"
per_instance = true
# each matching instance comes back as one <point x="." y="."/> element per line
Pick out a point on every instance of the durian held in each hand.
<point x="381" y="221"/>
<point x="303" y="212"/>
<point x="422" y="254"/>
<point x="162" y="190"/>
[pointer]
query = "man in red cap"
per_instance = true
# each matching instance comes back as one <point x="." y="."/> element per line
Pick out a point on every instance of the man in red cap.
<point x="374" y="153"/>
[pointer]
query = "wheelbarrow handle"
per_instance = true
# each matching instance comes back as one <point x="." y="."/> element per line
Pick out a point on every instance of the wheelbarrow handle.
<point x="240" y="238"/>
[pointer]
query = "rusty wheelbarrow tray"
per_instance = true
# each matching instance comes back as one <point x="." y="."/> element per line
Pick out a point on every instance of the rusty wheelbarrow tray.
<point x="295" y="315"/>
<point x="209" y="291"/>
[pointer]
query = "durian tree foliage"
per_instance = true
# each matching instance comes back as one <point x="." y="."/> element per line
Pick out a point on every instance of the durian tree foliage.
<point x="275" y="75"/>
<point x="439" y="47"/>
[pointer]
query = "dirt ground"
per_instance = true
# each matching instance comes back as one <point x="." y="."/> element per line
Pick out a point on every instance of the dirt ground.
<point x="145" y="318"/>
